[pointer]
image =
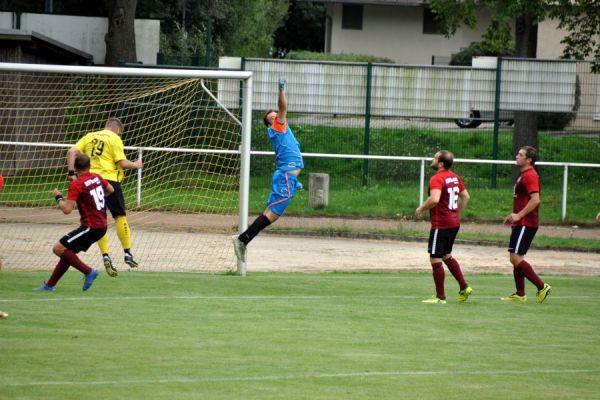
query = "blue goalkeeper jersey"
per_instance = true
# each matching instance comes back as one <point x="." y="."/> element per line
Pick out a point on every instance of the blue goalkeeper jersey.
<point x="287" y="149"/>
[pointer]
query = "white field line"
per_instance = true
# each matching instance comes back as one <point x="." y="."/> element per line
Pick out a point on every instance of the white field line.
<point x="176" y="380"/>
<point x="246" y="298"/>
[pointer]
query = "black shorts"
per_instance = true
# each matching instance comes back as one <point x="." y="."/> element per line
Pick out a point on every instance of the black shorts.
<point x="520" y="239"/>
<point x="116" y="202"/>
<point x="82" y="238"/>
<point x="441" y="241"/>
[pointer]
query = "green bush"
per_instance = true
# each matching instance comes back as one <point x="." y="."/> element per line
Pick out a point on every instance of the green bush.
<point x="348" y="57"/>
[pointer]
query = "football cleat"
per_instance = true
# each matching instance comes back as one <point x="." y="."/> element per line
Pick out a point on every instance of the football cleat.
<point x="514" y="297"/>
<point x="464" y="294"/>
<point x="45" y="288"/>
<point x="542" y="294"/>
<point x="130" y="261"/>
<point x="240" y="248"/>
<point x="110" y="269"/>
<point x="89" y="279"/>
<point x="434" y="300"/>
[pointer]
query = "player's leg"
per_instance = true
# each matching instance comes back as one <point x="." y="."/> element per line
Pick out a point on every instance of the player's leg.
<point x="59" y="270"/>
<point x="106" y="260"/>
<point x="517" y="248"/>
<point x="437" y="268"/>
<point x="453" y="265"/>
<point x="518" y="261"/>
<point x="116" y="205"/>
<point x="79" y="240"/>
<point x="283" y="190"/>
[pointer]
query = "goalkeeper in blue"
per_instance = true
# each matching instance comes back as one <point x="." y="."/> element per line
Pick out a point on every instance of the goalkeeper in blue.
<point x="284" y="181"/>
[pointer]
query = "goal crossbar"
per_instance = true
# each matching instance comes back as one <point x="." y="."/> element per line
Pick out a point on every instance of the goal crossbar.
<point x="241" y="115"/>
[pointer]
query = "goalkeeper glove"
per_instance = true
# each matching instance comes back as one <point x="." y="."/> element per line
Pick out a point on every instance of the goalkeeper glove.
<point x="282" y="82"/>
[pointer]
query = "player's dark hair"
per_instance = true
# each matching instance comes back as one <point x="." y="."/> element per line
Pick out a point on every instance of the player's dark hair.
<point x="446" y="158"/>
<point x="265" y="120"/>
<point x="114" y="122"/>
<point x="82" y="162"/>
<point x="531" y="152"/>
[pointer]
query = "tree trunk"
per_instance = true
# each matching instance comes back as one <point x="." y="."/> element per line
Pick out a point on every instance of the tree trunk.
<point x="525" y="132"/>
<point x="120" y="38"/>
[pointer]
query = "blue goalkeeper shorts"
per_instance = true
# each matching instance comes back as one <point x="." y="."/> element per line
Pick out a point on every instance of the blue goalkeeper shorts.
<point x="283" y="189"/>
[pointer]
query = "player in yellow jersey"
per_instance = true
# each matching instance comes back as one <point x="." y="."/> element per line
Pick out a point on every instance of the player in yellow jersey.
<point x="105" y="149"/>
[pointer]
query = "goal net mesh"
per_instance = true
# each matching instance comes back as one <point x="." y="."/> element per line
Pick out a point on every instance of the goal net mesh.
<point x="182" y="206"/>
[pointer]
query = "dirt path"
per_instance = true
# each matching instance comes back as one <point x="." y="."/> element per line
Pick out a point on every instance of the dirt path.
<point x="171" y="242"/>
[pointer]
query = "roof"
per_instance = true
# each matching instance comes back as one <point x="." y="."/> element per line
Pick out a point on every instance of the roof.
<point x="376" y="2"/>
<point x="46" y="43"/>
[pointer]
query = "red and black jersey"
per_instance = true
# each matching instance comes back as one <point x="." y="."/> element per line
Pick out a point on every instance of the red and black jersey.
<point x="88" y="192"/>
<point x="527" y="184"/>
<point x="445" y="214"/>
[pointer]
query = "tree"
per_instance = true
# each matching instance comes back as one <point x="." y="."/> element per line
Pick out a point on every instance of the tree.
<point x="580" y="17"/>
<point x="302" y="29"/>
<point x="120" y="38"/>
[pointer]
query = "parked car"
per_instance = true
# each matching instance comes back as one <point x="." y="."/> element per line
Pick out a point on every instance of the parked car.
<point x="476" y="117"/>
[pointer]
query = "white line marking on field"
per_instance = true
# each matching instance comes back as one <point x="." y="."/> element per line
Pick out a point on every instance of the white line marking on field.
<point x="246" y="298"/>
<point x="301" y="377"/>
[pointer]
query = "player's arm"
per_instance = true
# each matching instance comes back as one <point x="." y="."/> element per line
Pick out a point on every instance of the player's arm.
<point x="126" y="164"/>
<point x="71" y="154"/>
<point x="463" y="199"/>
<point x="282" y="106"/>
<point x="432" y="201"/>
<point x="534" y="201"/>
<point x="66" y="206"/>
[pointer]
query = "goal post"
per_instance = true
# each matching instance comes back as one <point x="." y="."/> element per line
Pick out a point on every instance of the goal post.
<point x="190" y="127"/>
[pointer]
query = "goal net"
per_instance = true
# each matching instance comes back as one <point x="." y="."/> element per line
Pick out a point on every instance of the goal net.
<point x="191" y="129"/>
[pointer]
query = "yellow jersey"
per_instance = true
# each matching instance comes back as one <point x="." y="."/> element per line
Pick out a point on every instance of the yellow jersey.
<point x="105" y="149"/>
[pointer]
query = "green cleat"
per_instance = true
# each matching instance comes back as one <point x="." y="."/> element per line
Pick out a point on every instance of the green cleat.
<point x="464" y="294"/>
<point x="542" y="294"/>
<point x="514" y="297"/>
<point x="434" y="300"/>
<point x="110" y="269"/>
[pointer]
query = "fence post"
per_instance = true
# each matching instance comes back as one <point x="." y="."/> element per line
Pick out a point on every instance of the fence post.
<point x="563" y="213"/>
<point x="365" y="167"/>
<point x="139" y="179"/>
<point x="496" y="120"/>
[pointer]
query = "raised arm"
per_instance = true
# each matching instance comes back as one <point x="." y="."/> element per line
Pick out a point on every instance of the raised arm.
<point x="282" y="101"/>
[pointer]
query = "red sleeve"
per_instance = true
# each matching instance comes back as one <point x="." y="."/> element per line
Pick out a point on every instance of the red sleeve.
<point x="436" y="182"/>
<point x="279" y="127"/>
<point x="74" y="190"/>
<point x="531" y="183"/>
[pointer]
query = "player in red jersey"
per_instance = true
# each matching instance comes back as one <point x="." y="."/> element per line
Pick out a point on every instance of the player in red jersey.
<point x="447" y="197"/>
<point x="525" y="222"/>
<point x="88" y="191"/>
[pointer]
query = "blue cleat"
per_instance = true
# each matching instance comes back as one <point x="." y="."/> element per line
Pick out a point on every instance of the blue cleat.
<point x="89" y="279"/>
<point x="45" y="288"/>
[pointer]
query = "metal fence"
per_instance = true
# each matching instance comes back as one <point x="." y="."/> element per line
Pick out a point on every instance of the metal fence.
<point x="413" y="111"/>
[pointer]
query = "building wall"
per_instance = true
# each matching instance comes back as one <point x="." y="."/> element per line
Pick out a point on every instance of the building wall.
<point x="87" y="33"/>
<point x="396" y="32"/>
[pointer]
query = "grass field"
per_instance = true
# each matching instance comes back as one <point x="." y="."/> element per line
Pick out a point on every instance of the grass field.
<point x="295" y="336"/>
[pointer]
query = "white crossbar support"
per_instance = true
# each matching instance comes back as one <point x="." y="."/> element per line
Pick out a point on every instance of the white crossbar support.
<point x="245" y="163"/>
<point x="170" y="73"/>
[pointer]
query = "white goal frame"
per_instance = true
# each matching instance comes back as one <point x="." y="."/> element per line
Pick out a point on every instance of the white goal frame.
<point x="246" y="107"/>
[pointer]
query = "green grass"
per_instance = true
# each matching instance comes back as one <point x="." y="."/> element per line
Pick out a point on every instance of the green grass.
<point x="295" y="336"/>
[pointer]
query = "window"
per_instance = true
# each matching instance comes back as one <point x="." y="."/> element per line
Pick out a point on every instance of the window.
<point x="352" y="16"/>
<point x="430" y="23"/>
